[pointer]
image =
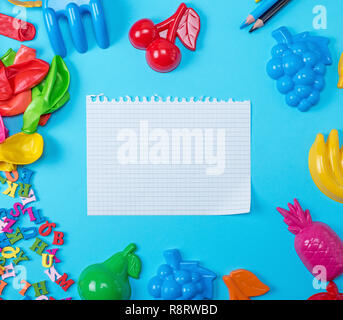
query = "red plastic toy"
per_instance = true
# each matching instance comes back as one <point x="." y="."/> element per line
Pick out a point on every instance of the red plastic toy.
<point x="331" y="294"/>
<point x="16" y="29"/>
<point x="162" y="54"/>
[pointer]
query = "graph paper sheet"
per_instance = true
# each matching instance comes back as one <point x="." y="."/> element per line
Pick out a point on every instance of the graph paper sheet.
<point x="148" y="157"/>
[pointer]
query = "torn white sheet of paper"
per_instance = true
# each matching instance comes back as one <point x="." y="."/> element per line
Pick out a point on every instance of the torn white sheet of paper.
<point x="172" y="157"/>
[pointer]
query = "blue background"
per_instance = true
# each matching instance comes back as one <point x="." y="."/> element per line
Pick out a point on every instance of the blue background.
<point x="228" y="63"/>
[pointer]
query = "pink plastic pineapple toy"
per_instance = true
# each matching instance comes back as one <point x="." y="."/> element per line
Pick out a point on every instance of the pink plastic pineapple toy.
<point x="315" y="242"/>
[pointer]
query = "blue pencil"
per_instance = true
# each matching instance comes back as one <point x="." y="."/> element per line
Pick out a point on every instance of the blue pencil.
<point x="261" y="9"/>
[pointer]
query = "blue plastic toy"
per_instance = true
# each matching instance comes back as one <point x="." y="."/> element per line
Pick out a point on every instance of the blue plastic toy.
<point x="73" y="11"/>
<point x="181" y="280"/>
<point x="299" y="64"/>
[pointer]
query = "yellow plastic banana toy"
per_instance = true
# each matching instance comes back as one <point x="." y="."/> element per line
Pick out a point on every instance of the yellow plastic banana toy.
<point x="340" y="72"/>
<point x="20" y="149"/>
<point x="326" y="165"/>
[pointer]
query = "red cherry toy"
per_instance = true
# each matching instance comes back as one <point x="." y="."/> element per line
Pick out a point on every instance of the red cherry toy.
<point x="162" y="54"/>
<point x="331" y="294"/>
<point x="142" y="33"/>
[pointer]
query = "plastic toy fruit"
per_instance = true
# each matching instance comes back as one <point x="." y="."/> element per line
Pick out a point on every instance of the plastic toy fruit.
<point x="330" y="294"/>
<point x="109" y="280"/>
<point x="162" y="54"/>
<point x="181" y="280"/>
<point x="299" y="64"/>
<point x="326" y="167"/>
<point x="315" y="242"/>
<point x="142" y="33"/>
<point x="243" y="284"/>
<point x="340" y="72"/>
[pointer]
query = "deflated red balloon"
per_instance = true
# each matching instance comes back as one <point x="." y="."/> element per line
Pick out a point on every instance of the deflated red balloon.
<point x="16" y="29"/>
<point x="21" y="76"/>
<point x="26" y="75"/>
<point x="18" y="103"/>
<point x="24" y="54"/>
<point x="6" y="92"/>
<point x="44" y="119"/>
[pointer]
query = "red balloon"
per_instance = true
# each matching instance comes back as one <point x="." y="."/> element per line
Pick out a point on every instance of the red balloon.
<point x="16" y="105"/>
<point x="20" y="77"/>
<point x="44" y="119"/>
<point x="25" y="54"/>
<point x="16" y="29"/>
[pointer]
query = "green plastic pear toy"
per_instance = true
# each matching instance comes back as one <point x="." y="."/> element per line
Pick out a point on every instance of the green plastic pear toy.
<point x="110" y="280"/>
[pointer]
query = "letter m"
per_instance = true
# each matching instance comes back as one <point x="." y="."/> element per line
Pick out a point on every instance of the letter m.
<point x="63" y="283"/>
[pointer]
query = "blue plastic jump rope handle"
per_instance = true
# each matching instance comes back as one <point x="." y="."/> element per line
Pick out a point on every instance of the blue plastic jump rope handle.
<point x="77" y="29"/>
<point x="99" y="23"/>
<point x="54" y="32"/>
<point x="73" y="12"/>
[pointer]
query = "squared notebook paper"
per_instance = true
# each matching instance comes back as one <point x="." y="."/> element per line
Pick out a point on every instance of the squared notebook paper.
<point x="172" y="157"/>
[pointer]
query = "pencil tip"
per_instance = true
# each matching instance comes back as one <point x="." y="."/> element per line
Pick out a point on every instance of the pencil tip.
<point x="249" y="20"/>
<point x="243" y="25"/>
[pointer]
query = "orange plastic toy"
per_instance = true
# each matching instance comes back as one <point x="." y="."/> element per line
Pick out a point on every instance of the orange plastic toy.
<point x="243" y="284"/>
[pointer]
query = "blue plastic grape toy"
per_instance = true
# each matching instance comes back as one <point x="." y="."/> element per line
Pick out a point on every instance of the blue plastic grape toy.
<point x="298" y="65"/>
<point x="181" y="280"/>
